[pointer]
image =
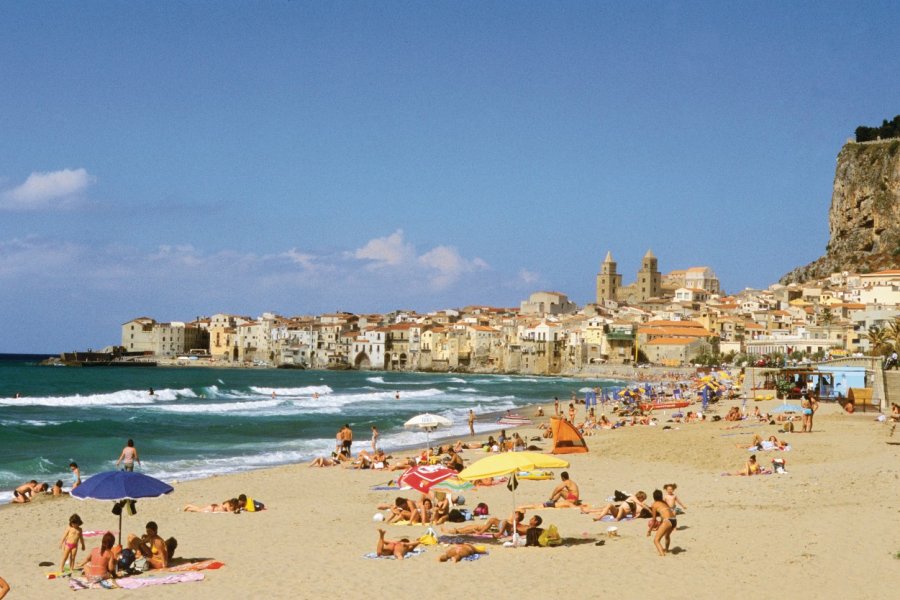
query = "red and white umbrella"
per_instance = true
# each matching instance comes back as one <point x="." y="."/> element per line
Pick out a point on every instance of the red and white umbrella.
<point x="423" y="477"/>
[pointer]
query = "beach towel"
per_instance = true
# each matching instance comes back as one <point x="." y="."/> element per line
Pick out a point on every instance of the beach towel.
<point x="193" y="566"/>
<point x="80" y="583"/>
<point x="382" y="488"/>
<point x="94" y="533"/>
<point x="762" y="472"/>
<point x="411" y="554"/>
<point x="608" y="518"/>
<point x="131" y="583"/>
<point x="464" y="538"/>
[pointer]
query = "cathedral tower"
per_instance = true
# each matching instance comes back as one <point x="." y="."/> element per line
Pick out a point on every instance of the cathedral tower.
<point x="649" y="281"/>
<point x="608" y="281"/>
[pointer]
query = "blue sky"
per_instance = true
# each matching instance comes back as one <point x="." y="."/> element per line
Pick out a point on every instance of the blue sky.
<point x="182" y="159"/>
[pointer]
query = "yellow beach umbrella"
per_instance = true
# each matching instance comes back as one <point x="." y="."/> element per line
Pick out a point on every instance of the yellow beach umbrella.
<point x="505" y="463"/>
<point x="509" y="463"/>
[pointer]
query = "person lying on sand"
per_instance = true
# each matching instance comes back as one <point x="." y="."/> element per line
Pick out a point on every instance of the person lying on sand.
<point x="397" y="548"/>
<point x="473" y="528"/>
<point x="232" y="506"/>
<point x="565" y="495"/>
<point x="457" y="552"/>
<point x="632" y="505"/>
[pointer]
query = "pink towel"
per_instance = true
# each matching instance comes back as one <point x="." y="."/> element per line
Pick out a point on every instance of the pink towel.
<point x="130" y="583"/>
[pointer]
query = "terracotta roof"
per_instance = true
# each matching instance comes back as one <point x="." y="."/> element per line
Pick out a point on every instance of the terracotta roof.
<point x="670" y="341"/>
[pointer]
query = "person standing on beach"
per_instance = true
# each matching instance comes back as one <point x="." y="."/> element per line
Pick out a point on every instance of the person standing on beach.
<point x="375" y="437"/>
<point x="129" y="455"/>
<point x="471" y="422"/>
<point x="556" y="405"/>
<point x="69" y="542"/>
<point x="76" y="475"/>
<point x="667" y="525"/>
<point x="348" y="440"/>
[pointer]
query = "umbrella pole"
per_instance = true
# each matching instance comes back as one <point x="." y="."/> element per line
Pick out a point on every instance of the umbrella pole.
<point x="120" y="527"/>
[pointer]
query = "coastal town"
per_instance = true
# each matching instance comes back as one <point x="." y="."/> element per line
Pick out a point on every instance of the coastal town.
<point x="674" y="319"/>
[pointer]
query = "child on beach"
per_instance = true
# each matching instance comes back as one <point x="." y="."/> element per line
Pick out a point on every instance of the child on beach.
<point x="76" y="475"/>
<point x="69" y="542"/>
<point x="671" y="499"/>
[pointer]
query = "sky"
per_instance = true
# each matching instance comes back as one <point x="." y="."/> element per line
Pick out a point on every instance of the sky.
<point x="181" y="159"/>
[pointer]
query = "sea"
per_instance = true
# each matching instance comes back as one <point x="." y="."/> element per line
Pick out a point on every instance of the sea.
<point x="201" y="422"/>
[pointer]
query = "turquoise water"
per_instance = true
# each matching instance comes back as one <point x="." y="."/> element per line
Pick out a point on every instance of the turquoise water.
<point x="202" y="422"/>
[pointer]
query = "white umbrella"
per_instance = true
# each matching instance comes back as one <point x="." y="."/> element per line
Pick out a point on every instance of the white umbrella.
<point x="429" y="423"/>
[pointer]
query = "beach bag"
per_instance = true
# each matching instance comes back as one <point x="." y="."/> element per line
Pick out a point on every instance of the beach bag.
<point x="456" y="516"/>
<point x="481" y="510"/>
<point x="126" y="560"/>
<point x="533" y="536"/>
<point x="429" y="539"/>
<point x="550" y="537"/>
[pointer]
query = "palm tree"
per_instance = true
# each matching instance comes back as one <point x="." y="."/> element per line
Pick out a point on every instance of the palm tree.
<point x="878" y="340"/>
<point x="893" y="333"/>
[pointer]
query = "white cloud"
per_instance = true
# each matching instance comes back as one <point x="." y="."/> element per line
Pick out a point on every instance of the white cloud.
<point x="46" y="190"/>
<point x="526" y="276"/>
<point x="446" y="265"/>
<point x="390" y="251"/>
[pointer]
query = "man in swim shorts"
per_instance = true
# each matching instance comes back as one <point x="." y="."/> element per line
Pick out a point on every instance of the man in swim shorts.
<point x="565" y="495"/>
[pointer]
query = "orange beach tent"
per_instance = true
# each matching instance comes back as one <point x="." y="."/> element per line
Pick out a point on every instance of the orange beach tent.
<point x="566" y="438"/>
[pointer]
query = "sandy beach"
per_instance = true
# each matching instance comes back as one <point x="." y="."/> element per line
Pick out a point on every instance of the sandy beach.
<point x="830" y="526"/>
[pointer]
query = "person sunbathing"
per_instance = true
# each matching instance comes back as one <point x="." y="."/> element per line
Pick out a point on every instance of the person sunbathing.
<point x="404" y="509"/>
<point x="441" y="511"/>
<point x="101" y="562"/>
<point x="751" y="468"/>
<point x="632" y="505"/>
<point x="322" y="461"/>
<point x="395" y="548"/>
<point x="457" y="552"/>
<point x="228" y="506"/>
<point x="473" y="528"/>
<point x="153" y="548"/>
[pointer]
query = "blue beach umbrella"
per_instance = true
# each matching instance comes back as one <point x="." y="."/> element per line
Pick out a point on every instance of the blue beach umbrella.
<point x="121" y="485"/>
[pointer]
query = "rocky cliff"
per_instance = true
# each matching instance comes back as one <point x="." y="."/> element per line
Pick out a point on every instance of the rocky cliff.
<point x="865" y="213"/>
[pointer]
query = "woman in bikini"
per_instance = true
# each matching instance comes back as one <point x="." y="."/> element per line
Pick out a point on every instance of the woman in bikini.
<point x="633" y="505"/>
<point x="101" y="563"/>
<point x="668" y="523"/>
<point x="397" y="549"/>
<point x="232" y="506"/>
<point x="128" y="456"/>
<point x="751" y="468"/>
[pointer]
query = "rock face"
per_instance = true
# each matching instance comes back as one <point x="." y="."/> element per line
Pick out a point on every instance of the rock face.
<point x="865" y="213"/>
